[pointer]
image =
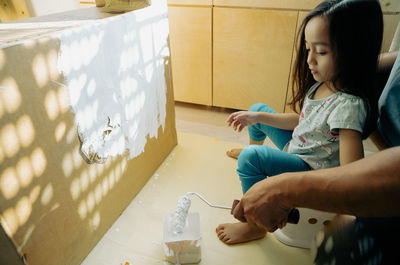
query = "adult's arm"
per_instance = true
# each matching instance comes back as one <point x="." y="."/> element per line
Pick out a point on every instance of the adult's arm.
<point x="369" y="187"/>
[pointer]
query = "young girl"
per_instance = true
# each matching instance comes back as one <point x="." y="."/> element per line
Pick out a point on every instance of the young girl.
<point x="335" y="74"/>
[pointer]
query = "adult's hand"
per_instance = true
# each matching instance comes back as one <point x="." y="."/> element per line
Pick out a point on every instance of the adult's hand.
<point x="263" y="204"/>
<point x="352" y="189"/>
<point x="240" y="119"/>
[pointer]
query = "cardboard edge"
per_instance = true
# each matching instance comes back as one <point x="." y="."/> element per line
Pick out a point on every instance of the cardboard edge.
<point x="8" y="253"/>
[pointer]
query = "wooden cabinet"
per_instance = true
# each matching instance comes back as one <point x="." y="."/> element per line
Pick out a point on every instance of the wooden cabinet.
<point x="271" y="4"/>
<point x="234" y="53"/>
<point x="190" y="43"/>
<point x="252" y="50"/>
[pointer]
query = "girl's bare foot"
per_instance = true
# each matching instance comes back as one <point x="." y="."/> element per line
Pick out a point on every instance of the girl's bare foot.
<point x="233" y="233"/>
<point x="234" y="153"/>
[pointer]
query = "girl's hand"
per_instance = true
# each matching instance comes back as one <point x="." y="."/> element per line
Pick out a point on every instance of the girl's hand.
<point x="241" y="119"/>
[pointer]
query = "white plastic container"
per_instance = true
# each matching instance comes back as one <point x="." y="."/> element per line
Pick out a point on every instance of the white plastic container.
<point x="303" y="234"/>
<point x="185" y="247"/>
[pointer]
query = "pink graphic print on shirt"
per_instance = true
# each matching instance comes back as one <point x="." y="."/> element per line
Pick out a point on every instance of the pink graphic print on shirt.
<point x="303" y="140"/>
<point x="334" y="136"/>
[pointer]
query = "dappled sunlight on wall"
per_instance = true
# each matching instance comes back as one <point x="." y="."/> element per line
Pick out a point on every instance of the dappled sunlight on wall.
<point x="40" y="71"/>
<point x="9" y="139"/>
<point x="42" y="170"/>
<point x="48" y="191"/>
<point x="10" y="95"/>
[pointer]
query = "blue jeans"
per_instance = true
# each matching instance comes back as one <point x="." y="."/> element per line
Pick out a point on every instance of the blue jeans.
<point x="256" y="162"/>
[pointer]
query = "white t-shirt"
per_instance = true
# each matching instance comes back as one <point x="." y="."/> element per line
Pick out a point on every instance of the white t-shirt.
<point x="316" y="137"/>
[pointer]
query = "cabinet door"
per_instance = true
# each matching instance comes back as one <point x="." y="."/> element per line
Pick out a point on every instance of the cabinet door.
<point x="190" y="43"/>
<point x="252" y="55"/>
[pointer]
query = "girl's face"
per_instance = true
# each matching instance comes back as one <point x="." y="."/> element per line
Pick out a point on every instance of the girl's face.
<point x="320" y="57"/>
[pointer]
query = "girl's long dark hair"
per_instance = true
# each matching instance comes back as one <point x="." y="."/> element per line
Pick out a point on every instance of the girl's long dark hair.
<point x="355" y="31"/>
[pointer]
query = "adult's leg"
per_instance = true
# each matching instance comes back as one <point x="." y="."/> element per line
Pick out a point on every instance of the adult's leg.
<point x="358" y="241"/>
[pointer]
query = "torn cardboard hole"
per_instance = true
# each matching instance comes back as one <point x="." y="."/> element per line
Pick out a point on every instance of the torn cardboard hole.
<point x="88" y="148"/>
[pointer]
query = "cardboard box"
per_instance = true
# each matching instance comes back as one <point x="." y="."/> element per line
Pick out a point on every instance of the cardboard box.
<point x="54" y="206"/>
